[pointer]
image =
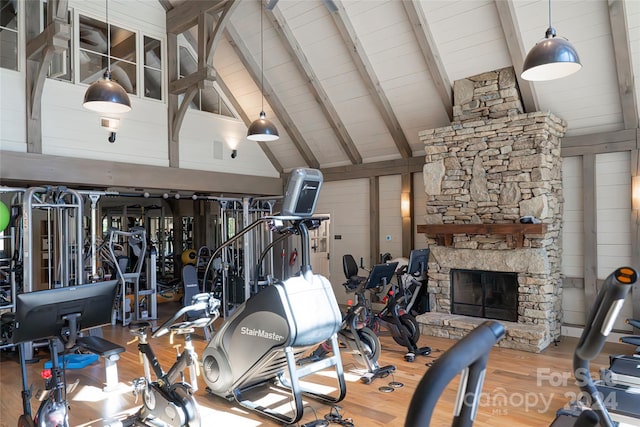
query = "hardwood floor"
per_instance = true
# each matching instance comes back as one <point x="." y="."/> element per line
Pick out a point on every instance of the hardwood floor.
<point x="521" y="389"/>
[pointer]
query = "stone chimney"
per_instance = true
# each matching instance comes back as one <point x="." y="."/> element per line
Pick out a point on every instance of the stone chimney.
<point x="493" y="165"/>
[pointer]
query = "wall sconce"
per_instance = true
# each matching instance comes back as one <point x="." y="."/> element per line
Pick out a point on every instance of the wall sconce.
<point x="234" y="153"/>
<point x="405" y="205"/>
<point x="635" y="192"/>
<point x="112" y="125"/>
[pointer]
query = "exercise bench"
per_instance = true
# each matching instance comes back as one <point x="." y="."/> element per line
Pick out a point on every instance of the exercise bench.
<point x="111" y="354"/>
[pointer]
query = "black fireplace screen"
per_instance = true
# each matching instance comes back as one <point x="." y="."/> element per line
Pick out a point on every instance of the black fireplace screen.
<point x="486" y="294"/>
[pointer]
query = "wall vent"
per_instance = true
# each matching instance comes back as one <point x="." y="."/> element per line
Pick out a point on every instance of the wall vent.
<point x="217" y="150"/>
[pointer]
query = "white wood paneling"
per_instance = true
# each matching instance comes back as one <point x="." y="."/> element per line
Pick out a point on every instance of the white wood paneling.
<point x="348" y="204"/>
<point x="293" y="91"/>
<point x="613" y="203"/>
<point x="70" y="130"/>
<point x="469" y="36"/>
<point x="390" y="218"/>
<point x="13" y="119"/>
<point x="319" y="39"/>
<point x="573" y="306"/>
<point x="572" y="219"/>
<point x="197" y="137"/>
<point x="387" y="37"/>
<point x="248" y="95"/>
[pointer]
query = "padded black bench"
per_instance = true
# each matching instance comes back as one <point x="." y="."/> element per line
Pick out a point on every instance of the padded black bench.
<point x="111" y="354"/>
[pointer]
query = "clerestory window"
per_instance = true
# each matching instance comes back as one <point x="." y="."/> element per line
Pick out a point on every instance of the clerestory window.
<point x="9" y="34"/>
<point x="138" y="73"/>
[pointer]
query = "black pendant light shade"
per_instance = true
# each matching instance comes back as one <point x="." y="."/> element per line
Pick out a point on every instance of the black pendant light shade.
<point x="550" y="59"/>
<point x="106" y="96"/>
<point x="262" y="130"/>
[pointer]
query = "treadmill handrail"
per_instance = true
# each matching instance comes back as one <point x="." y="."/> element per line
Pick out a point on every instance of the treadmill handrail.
<point x="598" y="325"/>
<point x="471" y="353"/>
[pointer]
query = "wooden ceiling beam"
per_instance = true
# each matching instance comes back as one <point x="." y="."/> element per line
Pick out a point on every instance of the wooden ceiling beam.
<point x="624" y="68"/>
<point x="511" y="30"/>
<point x="355" y="48"/>
<point x="313" y="83"/>
<point x="23" y="168"/>
<point x="269" y="94"/>
<point x="430" y="54"/>
<point x="368" y="170"/>
<point x="184" y="16"/>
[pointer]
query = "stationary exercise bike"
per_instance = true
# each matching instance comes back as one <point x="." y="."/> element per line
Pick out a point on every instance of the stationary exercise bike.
<point x="57" y="315"/>
<point x="169" y="398"/>
<point x="401" y="324"/>
<point x="360" y="340"/>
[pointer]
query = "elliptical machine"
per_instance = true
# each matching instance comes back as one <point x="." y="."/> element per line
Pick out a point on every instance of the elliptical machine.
<point x="256" y="349"/>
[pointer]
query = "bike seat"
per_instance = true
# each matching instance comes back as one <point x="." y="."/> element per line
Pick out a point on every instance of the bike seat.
<point x="351" y="273"/>
<point x="137" y="328"/>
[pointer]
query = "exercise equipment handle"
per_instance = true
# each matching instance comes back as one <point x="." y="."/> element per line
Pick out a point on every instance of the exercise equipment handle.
<point x="470" y="353"/>
<point x="200" y="302"/>
<point x="599" y="324"/>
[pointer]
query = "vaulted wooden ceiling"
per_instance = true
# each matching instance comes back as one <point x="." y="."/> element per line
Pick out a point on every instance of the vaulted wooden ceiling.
<point x="352" y="82"/>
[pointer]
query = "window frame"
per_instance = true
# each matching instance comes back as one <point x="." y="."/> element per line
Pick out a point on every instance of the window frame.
<point x="139" y="52"/>
<point x="20" y="39"/>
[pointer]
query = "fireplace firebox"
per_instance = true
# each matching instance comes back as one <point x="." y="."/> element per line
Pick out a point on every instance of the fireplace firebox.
<point x="485" y="294"/>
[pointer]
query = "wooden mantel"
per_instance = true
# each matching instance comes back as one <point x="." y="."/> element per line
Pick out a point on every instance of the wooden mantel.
<point x="514" y="232"/>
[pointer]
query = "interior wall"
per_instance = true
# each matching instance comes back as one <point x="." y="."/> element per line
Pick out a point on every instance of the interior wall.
<point x="13" y="119"/>
<point x="348" y="204"/>
<point x="572" y="241"/>
<point x="70" y="130"/>
<point x="613" y="201"/>
<point x="613" y="207"/>
<point x="390" y="215"/>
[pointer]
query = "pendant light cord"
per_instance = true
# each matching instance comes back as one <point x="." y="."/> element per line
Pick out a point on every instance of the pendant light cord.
<point x="261" y="62"/>
<point x="106" y="2"/>
<point x="549" y="13"/>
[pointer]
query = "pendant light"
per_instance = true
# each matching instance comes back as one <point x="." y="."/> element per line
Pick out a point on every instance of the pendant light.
<point x="105" y="95"/>
<point x="262" y="129"/>
<point x="551" y="58"/>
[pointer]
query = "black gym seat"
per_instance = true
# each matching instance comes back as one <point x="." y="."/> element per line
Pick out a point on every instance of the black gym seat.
<point x="351" y="269"/>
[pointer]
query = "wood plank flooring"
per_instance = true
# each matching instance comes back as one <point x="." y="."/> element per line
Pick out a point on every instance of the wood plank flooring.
<point x="521" y="389"/>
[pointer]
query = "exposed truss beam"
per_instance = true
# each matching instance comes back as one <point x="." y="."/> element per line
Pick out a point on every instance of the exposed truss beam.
<point x="184" y="16"/>
<point x="510" y="28"/>
<point x="430" y="53"/>
<point x="300" y="60"/>
<point x="40" y="50"/>
<point x="348" y="33"/>
<point x="276" y="105"/>
<point x="236" y="105"/>
<point x="622" y="53"/>
<point x="208" y="38"/>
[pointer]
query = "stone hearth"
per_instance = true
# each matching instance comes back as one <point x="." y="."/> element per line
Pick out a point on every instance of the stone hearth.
<point x="493" y="165"/>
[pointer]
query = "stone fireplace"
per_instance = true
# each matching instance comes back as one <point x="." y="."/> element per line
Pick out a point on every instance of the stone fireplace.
<point x="492" y="166"/>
